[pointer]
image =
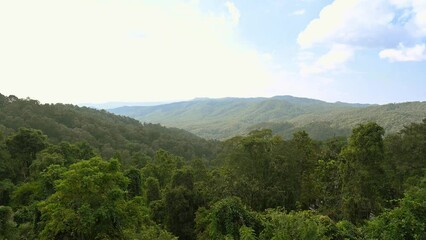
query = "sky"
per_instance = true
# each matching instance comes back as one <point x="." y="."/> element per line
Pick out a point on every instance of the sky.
<point x="94" y="51"/>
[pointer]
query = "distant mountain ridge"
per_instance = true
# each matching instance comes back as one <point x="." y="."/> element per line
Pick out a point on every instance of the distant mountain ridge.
<point x="227" y="117"/>
<point x="109" y="105"/>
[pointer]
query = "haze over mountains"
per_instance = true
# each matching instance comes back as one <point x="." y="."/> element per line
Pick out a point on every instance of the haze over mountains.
<point x="109" y="105"/>
<point x="227" y="117"/>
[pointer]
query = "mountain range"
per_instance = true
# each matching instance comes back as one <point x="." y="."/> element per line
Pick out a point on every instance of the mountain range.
<point x="226" y="117"/>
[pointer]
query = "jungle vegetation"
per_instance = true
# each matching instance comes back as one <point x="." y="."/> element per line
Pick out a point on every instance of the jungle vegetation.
<point x="76" y="173"/>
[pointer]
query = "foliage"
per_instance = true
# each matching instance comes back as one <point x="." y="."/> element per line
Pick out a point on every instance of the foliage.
<point x="107" y="133"/>
<point x="152" y="190"/>
<point x="88" y="204"/>
<point x="362" y="174"/>
<point x="180" y="204"/>
<point x="161" y="167"/>
<point x="247" y="233"/>
<point x="6" y="189"/>
<point x="266" y="171"/>
<point x="135" y="185"/>
<point x="226" y="218"/>
<point x="297" y="225"/>
<point x="23" y="146"/>
<point x="406" y="152"/>
<point x="152" y="232"/>
<point x="407" y="221"/>
<point x="7" y="225"/>
<point x="346" y="230"/>
<point x="58" y="185"/>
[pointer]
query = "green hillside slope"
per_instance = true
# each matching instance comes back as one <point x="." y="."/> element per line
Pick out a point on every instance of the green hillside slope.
<point x="393" y="117"/>
<point x="223" y="118"/>
<point x="105" y="131"/>
<point x="258" y="186"/>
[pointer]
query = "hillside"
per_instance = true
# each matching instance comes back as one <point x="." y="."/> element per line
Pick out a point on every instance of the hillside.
<point x="223" y="118"/>
<point x="340" y="122"/>
<point x="111" y="175"/>
<point x="108" y="133"/>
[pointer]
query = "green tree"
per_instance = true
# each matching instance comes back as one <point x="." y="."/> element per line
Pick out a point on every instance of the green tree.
<point x="407" y="221"/>
<point x="27" y="195"/>
<point x="302" y="225"/>
<point x="152" y="232"/>
<point x="180" y="205"/>
<point x="48" y="177"/>
<point x="8" y="167"/>
<point x="251" y="162"/>
<point x="162" y="167"/>
<point x="43" y="161"/>
<point x="6" y="189"/>
<point x="24" y="145"/>
<point x="405" y="155"/>
<point x="362" y="174"/>
<point x="327" y="179"/>
<point x="305" y="157"/>
<point x="152" y="190"/>
<point x="327" y="186"/>
<point x="89" y="203"/>
<point x="7" y="225"/>
<point x="225" y="219"/>
<point x="247" y="233"/>
<point x="347" y="231"/>
<point x="135" y="185"/>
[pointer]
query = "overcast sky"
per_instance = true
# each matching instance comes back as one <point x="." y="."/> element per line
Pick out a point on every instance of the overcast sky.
<point x="75" y="51"/>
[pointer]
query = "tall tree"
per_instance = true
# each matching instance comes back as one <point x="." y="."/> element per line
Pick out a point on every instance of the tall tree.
<point x="24" y="145"/>
<point x="135" y="185"/>
<point x="250" y="162"/>
<point x="180" y="205"/>
<point x="362" y="174"/>
<point x="152" y="191"/>
<point x="406" y="156"/>
<point x="305" y="156"/>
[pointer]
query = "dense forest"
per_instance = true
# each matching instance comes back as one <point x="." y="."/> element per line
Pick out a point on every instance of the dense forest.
<point x="224" y="118"/>
<point x="76" y="173"/>
<point x="107" y="133"/>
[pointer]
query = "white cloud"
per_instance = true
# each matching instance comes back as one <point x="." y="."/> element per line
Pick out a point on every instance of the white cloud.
<point x="305" y="56"/>
<point x="364" y="24"/>
<point x="125" y="50"/>
<point x="234" y="12"/>
<point x="416" y="23"/>
<point x="401" y="3"/>
<point x="419" y="8"/>
<point x="370" y="24"/>
<point x="332" y="18"/>
<point x="299" y="12"/>
<point x="405" y="54"/>
<point x="331" y="61"/>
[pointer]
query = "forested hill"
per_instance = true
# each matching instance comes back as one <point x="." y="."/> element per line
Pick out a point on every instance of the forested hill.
<point x="224" y="118"/>
<point x="110" y="134"/>
<point x="258" y="186"/>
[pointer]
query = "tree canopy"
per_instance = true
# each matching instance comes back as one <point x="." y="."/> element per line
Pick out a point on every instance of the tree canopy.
<point x="141" y="185"/>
